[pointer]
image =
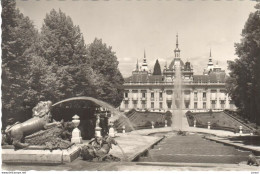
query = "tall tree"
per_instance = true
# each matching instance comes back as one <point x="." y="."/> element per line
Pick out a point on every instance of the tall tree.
<point x="104" y="63"/>
<point x="18" y="34"/>
<point x="244" y="82"/>
<point x="157" y="68"/>
<point x="63" y="48"/>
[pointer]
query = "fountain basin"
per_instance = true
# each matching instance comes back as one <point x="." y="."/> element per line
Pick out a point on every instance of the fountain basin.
<point x="37" y="155"/>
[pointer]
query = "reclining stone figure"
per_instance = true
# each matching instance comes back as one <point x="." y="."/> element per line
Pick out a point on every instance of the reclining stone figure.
<point x="41" y="120"/>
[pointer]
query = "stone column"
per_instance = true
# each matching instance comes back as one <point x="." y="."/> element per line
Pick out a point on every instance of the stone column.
<point x="200" y="99"/>
<point x="217" y="102"/>
<point x="76" y="134"/>
<point x="164" y="100"/>
<point x="208" y="99"/>
<point x="139" y="101"/>
<point x="191" y="99"/>
<point x="148" y="99"/>
<point x="130" y="96"/>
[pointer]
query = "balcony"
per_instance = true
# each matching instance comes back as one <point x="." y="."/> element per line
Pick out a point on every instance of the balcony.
<point x="195" y="98"/>
<point x="186" y="97"/>
<point x="143" y="98"/>
<point x="126" y="98"/>
<point x="135" y="98"/>
<point x="161" y="99"/>
<point x="152" y="99"/>
<point x="204" y="99"/>
<point x="169" y="97"/>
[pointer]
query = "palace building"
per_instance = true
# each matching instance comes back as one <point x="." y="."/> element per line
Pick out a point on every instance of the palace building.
<point x="155" y="92"/>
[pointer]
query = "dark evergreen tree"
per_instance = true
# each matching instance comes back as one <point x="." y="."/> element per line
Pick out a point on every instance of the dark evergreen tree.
<point x="18" y="34"/>
<point x="157" y="68"/>
<point x="104" y="63"/>
<point x="244" y="82"/>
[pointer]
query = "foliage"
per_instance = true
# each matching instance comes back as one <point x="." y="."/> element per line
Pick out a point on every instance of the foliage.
<point x="244" y="82"/>
<point x="18" y="34"/>
<point x="157" y="68"/>
<point x="54" y="64"/>
<point x="104" y="63"/>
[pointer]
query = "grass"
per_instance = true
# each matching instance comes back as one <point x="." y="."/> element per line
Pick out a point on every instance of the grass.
<point x="218" y="120"/>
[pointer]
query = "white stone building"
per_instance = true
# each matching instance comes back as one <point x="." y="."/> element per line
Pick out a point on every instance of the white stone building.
<point x="144" y="91"/>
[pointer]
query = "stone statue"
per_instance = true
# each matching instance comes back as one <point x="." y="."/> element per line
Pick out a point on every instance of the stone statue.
<point x="40" y="121"/>
<point x="98" y="149"/>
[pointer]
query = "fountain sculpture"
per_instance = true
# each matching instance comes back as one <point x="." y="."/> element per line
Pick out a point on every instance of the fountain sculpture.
<point x="40" y="121"/>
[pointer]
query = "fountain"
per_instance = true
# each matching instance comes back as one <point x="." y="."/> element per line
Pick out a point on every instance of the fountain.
<point x="177" y="111"/>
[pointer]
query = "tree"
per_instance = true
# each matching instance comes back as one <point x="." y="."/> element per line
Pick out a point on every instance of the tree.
<point x="104" y="63"/>
<point x="157" y="68"/>
<point x="244" y="82"/>
<point x="62" y="46"/>
<point x="18" y="34"/>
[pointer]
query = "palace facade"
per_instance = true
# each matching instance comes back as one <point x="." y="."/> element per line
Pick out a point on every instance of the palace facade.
<point x="147" y="91"/>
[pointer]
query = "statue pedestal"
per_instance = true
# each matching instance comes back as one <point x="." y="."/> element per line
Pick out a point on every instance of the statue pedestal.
<point x="112" y="132"/>
<point x="76" y="136"/>
<point x="98" y="131"/>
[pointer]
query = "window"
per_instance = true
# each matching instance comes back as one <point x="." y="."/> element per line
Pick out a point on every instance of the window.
<point x="195" y="105"/>
<point x="152" y="104"/>
<point x="204" y="105"/>
<point x="195" y="95"/>
<point x="126" y="104"/>
<point x="213" y="104"/>
<point x="204" y="94"/>
<point x="160" y="105"/>
<point x="135" y="104"/>
<point x="143" y="104"/>
<point x="222" y="104"/>
<point x="187" y="104"/>
<point x="126" y="94"/>
<point x="143" y="95"/>
<point x="169" y="105"/>
<point x="152" y="95"/>
<point x="161" y="94"/>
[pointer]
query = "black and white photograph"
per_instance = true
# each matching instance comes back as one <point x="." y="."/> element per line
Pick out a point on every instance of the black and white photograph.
<point x="130" y="85"/>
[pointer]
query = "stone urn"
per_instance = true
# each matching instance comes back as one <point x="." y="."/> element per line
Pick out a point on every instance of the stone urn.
<point x="194" y="123"/>
<point x="208" y="125"/>
<point x="152" y="124"/>
<point x="112" y="132"/>
<point x="123" y="127"/>
<point x="97" y="128"/>
<point x="76" y="134"/>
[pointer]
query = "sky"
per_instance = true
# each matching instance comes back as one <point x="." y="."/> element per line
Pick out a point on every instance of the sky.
<point x="132" y="26"/>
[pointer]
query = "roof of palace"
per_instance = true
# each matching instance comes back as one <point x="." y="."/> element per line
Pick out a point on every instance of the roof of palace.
<point x="211" y="78"/>
<point x="146" y="78"/>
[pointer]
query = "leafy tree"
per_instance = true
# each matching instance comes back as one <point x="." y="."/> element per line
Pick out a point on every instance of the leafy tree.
<point x="62" y="46"/>
<point x="104" y="63"/>
<point x="18" y="34"/>
<point x="244" y="82"/>
<point x="157" y="68"/>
